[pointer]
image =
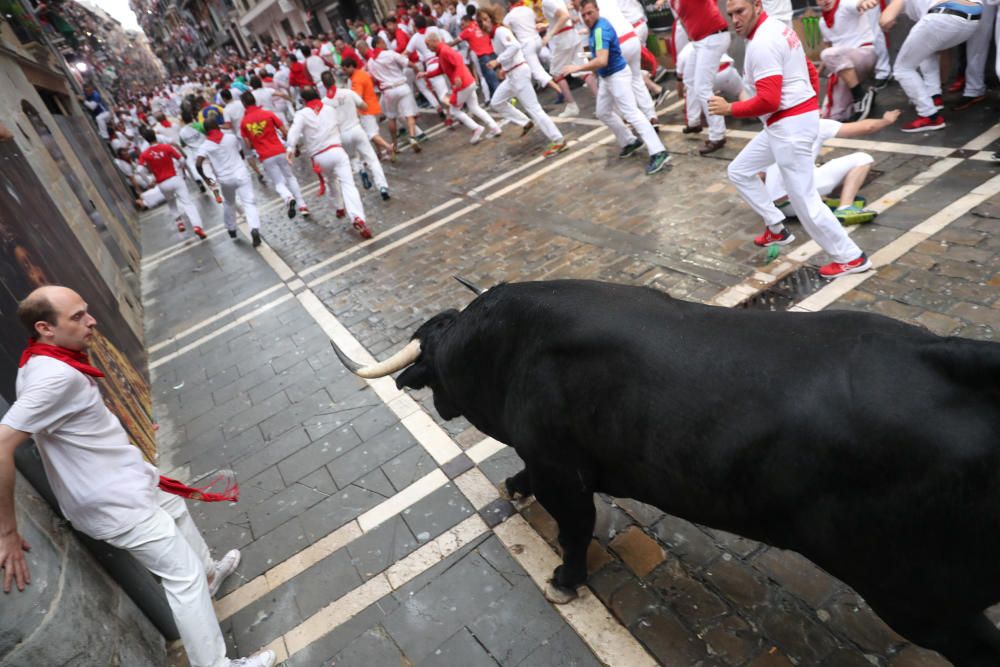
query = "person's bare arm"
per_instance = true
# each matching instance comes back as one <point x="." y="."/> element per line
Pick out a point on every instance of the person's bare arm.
<point x="12" y="545"/>
<point x="868" y="126"/>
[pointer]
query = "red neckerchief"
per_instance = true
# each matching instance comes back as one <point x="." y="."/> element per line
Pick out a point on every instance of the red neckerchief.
<point x="165" y="123"/>
<point x="374" y="53"/>
<point x="519" y="3"/>
<point x="830" y="15"/>
<point x="493" y="31"/>
<point x="77" y="360"/>
<point x="331" y="92"/>
<point x="763" y="15"/>
<point x="214" y="135"/>
<point x="315" y="105"/>
<point x="422" y="30"/>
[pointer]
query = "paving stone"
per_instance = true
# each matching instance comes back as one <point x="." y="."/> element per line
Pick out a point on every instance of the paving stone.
<point x="731" y="641"/>
<point x="277" y="450"/>
<point x="541" y="521"/>
<point x="317" y="454"/>
<point x="379" y="548"/>
<point x="738" y="583"/>
<point x="914" y="656"/>
<point x="374" y="647"/>
<point x="408" y="467"/>
<point x="638" y="550"/>
<point x="691" y="599"/>
<point x="323" y="650"/>
<point x="326" y="581"/>
<point x="610" y="521"/>
<point x="374" y="421"/>
<point x="358" y="461"/>
<point x="264" y="553"/>
<point x="320" y="481"/>
<point x="801" y="637"/>
<point x="264" y="620"/>
<point x="515" y="624"/>
<point x="457" y="466"/>
<point x="855" y="620"/>
<point x="499" y="558"/>
<point x="505" y="463"/>
<point x="439" y="511"/>
<point x="377" y="482"/>
<point x="634" y="600"/>
<point x="280" y="507"/>
<point x="427" y="618"/>
<point x="686" y="541"/>
<point x="797" y="575"/>
<point x="563" y="649"/>
<point x="497" y="512"/>
<point x="336" y="510"/>
<point x="460" y="649"/>
<point x="672" y="643"/>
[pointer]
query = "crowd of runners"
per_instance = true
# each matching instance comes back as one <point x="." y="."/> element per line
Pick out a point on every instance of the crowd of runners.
<point x="351" y="100"/>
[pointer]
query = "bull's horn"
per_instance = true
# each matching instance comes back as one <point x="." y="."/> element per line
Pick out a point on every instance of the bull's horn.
<point x="396" y="362"/>
<point x="468" y="284"/>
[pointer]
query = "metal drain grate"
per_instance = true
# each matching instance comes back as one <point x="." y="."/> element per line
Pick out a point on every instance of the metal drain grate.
<point x="797" y="285"/>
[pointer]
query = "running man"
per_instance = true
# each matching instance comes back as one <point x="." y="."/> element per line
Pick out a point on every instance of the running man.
<point x="615" y="93"/>
<point x="263" y="131"/>
<point x="463" y="90"/>
<point x="784" y="85"/>
<point x="389" y="69"/>
<point x="225" y="153"/>
<point x="159" y="160"/>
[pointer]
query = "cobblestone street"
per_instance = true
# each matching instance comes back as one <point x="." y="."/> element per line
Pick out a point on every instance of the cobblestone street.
<point x="373" y="533"/>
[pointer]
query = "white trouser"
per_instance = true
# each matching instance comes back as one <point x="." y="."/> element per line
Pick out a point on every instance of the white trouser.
<point x="279" y="172"/>
<point x="517" y="83"/>
<point x="152" y="197"/>
<point x="169" y="545"/>
<point x="707" y="54"/>
<point x="632" y="52"/>
<point x="932" y="33"/>
<point x="398" y="102"/>
<point x="828" y="177"/>
<point x="729" y="83"/>
<point x="883" y="70"/>
<point x="530" y="49"/>
<point x="102" y="123"/>
<point x="359" y="148"/>
<point x="231" y="190"/>
<point x="369" y="124"/>
<point x="565" y="48"/>
<point x="976" y="52"/>
<point x="615" y="95"/>
<point x="839" y="101"/>
<point x="336" y="168"/>
<point x="424" y="86"/>
<point x="642" y="32"/>
<point x="789" y="143"/>
<point x="467" y="97"/>
<point x="174" y="190"/>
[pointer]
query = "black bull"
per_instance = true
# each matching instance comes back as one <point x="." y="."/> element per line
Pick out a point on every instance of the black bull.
<point x="870" y="446"/>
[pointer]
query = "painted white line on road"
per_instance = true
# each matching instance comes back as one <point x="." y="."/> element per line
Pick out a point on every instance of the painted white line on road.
<point x="984" y="139"/>
<point x="181" y="249"/>
<point x="604" y="635"/>
<point x="856" y="144"/>
<point x="893" y="251"/>
<point x="215" y="318"/>
<point x="218" y="332"/>
<point x="389" y="508"/>
<point x="732" y="296"/>
<point x="484" y="449"/>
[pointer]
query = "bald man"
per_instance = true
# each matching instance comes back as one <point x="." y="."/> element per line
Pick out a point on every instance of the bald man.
<point x="102" y="484"/>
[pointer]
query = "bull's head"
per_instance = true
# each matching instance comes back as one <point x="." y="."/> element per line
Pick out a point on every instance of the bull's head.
<point x="417" y="358"/>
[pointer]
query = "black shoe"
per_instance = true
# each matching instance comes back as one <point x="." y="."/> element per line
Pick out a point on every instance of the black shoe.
<point x="968" y="101"/>
<point x="291" y="208"/>
<point x="255" y="235"/>
<point x="232" y="233"/>
<point x="527" y="128"/>
<point x="366" y="182"/>
<point x="385" y="193"/>
<point x="691" y="129"/>
<point x="863" y="107"/>
<point x="631" y="148"/>
<point x="260" y="177"/>
<point x="879" y="84"/>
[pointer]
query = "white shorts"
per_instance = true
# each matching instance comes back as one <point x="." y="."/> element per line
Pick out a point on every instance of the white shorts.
<point x="565" y="50"/>
<point x="398" y="102"/>
<point x="370" y="125"/>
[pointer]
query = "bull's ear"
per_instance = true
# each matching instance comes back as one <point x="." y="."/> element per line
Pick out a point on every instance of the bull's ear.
<point x="414" y="377"/>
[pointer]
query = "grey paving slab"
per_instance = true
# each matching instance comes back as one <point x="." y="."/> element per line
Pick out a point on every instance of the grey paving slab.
<point x="374" y="647"/>
<point x="516" y="623"/>
<point x="320" y="452"/>
<point x="376" y="550"/>
<point x="369" y="455"/>
<point x="462" y="648"/>
<point x="439" y="511"/>
<point x="408" y="467"/>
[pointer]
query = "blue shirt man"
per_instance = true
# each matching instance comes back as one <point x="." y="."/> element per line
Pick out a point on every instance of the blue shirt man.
<point x="603" y="36"/>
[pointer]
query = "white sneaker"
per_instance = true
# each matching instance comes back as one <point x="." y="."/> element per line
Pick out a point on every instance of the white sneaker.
<point x="494" y="131"/>
<point x="223" y="568"/>
<point x="477" y="134"/>
<point x="259" y="659"/>
<point x="570" y="111"/>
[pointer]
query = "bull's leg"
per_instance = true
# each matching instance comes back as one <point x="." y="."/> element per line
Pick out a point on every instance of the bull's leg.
<point x="569" y="498"/>
<point x="518" y="486"/>
<point x="973" y="643"/>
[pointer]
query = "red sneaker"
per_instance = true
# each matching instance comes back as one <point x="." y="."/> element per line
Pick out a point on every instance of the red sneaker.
<point x="769" y="238"/>
<point x="958" y="85"/>
<point x="837" y="269"/>
<point x="180" y="226"/>
<point x="200" y="233"/>
<point x="362" y="228"/>
<point x="218" y="197"/>
<point x="341" y="213"/>
<point x="925" y="124"/>
<point x="938" y="101"/>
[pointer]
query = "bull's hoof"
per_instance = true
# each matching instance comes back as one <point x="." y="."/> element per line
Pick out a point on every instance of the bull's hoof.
<point x="516" y="487"/>
<point x="558" y="594"/>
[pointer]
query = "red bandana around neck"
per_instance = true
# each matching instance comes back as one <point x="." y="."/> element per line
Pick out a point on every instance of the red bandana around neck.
<point x="315" y="105"/>
<point x="374" y="53"/>
<point x="165" y="123"/>
<point x="331" y="92"/>
<point x="519" y="3"/>
<point x="214" y="135"/>
<point x="77" y="360"/>
<point x="829" y="16"/>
